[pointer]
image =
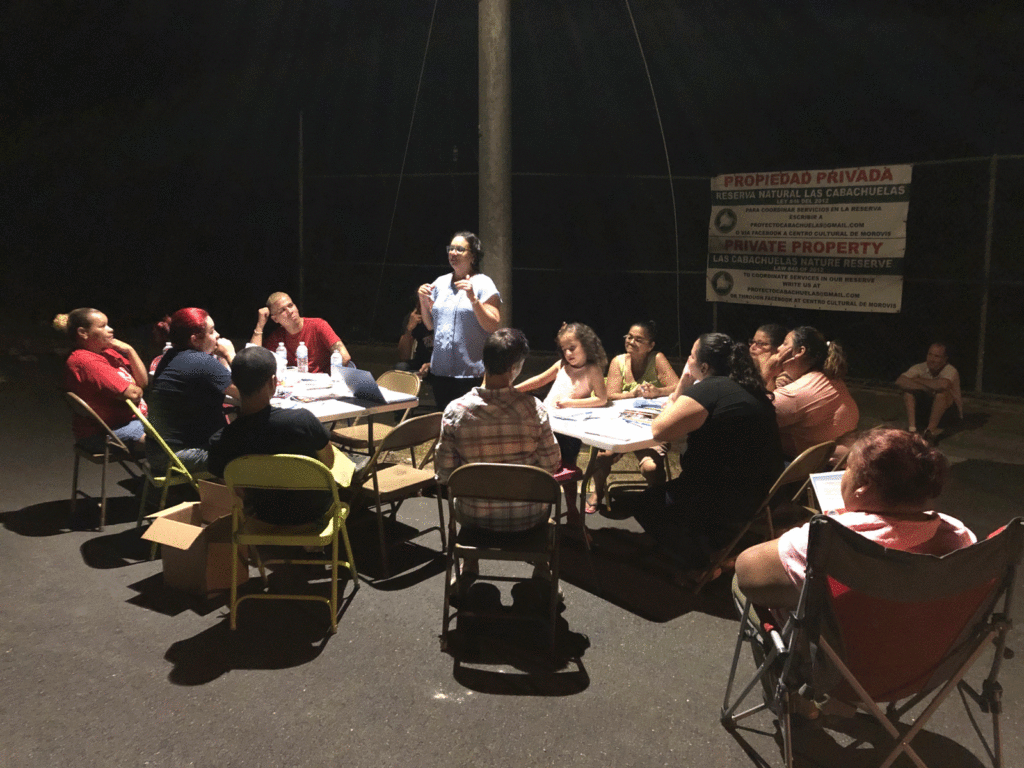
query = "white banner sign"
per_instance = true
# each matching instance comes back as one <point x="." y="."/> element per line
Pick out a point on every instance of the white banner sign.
<point x="830" y="239"/>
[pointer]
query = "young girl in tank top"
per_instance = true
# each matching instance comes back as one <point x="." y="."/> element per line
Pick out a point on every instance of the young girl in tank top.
<point x="578" y="383"/>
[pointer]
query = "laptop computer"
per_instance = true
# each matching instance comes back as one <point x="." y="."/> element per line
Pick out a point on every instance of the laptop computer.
<point x="827" y="490"/>
<point x="362" y="385"/>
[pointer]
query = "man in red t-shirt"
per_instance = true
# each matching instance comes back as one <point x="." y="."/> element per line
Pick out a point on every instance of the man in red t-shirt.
<point x="105" y="372"/>
<point x="319" y="337"/>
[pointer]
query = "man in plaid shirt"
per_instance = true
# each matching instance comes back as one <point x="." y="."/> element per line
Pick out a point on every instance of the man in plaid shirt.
<point x="494" y="423"/>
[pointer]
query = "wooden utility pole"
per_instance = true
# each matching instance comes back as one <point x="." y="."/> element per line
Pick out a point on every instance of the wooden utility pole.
<point x="495" y="196"/>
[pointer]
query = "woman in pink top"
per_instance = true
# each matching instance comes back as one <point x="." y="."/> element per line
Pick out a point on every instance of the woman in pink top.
<point x="816" y="406"/>
<point x="891" y="480"/>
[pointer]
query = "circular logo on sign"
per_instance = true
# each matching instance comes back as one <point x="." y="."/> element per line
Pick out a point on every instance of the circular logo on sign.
<point x="726" y="221"/>
<point x="721" y="283"/>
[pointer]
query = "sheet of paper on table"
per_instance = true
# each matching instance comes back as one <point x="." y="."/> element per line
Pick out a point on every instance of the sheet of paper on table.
<point x="576" y="414"/>
<point x="827" y="490"/>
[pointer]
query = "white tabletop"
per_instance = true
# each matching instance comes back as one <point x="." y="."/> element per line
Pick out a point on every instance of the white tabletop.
<point x="603" y="428"/>
<point x="338" y="406"/>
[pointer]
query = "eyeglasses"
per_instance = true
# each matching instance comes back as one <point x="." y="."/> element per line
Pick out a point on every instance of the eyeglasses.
<point x="457" y="248"/>
<point x="762" y="344"/>
<point x="638" y="339"/>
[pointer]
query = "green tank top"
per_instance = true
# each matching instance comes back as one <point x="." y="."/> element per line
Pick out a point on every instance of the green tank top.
<point x="650" y="373"/>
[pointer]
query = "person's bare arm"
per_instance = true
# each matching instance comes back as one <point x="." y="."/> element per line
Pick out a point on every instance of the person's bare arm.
<point x="407" y="342"/>
<point x="225" y="352"/>
<point x="261" y="320"/>
<point x="538" y="381"/>
<point x="678" y="418"/>
<point x="326" y="454"/>
<point x="613" y="388"/>
<point x="487" y="313"/>
<point x="666" y="373"/>
<point x="910" y="383"/>
<point x="339" y="346"/>
<point x="761" y="577"/>
<point x="684" y="383"/>
<point x="139" y="372"/>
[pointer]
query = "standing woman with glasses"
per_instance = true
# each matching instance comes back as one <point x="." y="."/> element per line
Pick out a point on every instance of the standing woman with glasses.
<point x="462" y="308"/>
<point x="640" y="372"/>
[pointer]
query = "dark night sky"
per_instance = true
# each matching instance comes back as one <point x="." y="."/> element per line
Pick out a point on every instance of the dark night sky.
<point x="149" y="148"/>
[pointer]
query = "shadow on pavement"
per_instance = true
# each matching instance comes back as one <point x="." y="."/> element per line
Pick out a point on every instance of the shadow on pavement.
<point x="116" y="550"/>
<point x="48" y="518"/>
<point x="271" y="634"/>
<point x="631" y="577"/>
<point x="511" y="655"/>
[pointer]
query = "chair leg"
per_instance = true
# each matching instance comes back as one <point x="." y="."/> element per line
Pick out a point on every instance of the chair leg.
<point x="385" y="567"/>
<point x="590" y="558"/>
<point x="350" y="556"/>
<point x="334" y="583"/>
<point x="553" y="600"/>
<point x="74" y="487"/>
<point x="446" y="613"/>
<point x="554" y="571"/>
<point x="259" y="564"/>
<point x="103" y="487"/>
<point x="142" y="504"/>
<point x="163" y="494"/>
<point x="234" y="583"/>
<point x="440" y="518"/>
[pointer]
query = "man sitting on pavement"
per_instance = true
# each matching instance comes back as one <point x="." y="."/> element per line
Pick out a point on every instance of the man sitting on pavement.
<point x="934" y="385"/>
<point x="263" y="429"/>
<point x="319" y="337"/>
<point x="495" y="423"/>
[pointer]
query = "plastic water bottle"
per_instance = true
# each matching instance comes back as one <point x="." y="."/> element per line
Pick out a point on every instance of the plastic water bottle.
<point x="302" y="358"/>
<point x="335" y="366"/>
<point x="282" y="361"/>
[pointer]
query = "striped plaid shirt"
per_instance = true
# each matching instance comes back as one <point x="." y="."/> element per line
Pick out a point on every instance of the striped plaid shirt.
<point x="501" y="426"/>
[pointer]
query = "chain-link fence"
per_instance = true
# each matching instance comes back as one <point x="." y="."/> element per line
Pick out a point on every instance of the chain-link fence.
<point x="603" y="250"/>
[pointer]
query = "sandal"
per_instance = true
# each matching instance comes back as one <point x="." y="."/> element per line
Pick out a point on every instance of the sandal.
<point x="593" y="507"/>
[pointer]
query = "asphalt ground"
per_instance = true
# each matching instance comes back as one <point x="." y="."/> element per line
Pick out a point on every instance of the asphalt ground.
<point x="102" y="665"/>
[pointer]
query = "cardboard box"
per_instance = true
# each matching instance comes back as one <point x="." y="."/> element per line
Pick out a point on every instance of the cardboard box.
<point x="196" y="542"/>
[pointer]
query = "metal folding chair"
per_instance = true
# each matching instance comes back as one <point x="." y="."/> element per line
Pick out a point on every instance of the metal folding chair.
<point x="814" y="459"/>
<point x="114" y="449"/>
<point x="176" y="473"/>
<point x="391" y="484"/>
<point x="501" y="482"/>
<point x="294" y="473"/>
<point x="357" y="436"/>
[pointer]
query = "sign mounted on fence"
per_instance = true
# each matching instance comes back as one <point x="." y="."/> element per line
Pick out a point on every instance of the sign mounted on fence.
<point x="830" y="239"/>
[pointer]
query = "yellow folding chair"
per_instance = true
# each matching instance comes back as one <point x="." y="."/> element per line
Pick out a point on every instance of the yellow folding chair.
<point x="357" y="436"/>
<point x="114" y="449"/>
<point x="296" y="473"/>
<point x="176" y="473"/>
